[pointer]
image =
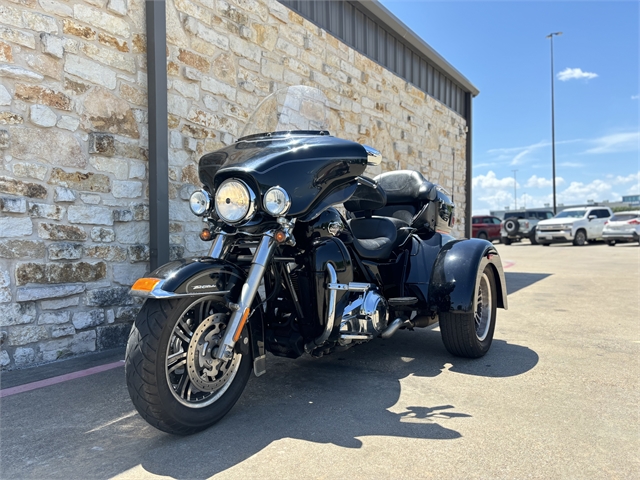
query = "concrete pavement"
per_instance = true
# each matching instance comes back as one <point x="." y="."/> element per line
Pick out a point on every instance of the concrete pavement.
<point x="556" y="397"/>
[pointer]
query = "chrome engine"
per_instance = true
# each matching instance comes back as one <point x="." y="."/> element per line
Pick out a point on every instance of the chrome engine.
<point x="364" y="317"/>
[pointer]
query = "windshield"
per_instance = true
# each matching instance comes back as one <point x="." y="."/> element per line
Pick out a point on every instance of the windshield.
<point x="290" y="109"/>
<point x="571" y="214"/>
<point x="623" y="217"/>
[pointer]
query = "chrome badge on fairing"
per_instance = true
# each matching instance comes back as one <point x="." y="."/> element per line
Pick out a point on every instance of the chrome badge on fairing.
<point x="335" y="228"/>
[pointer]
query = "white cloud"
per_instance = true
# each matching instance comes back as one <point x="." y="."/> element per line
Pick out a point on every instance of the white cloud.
<point x="635" y="97"/>
<point x="571" y="164"/>
<point x="634" y="177"/>
<point x="575" y="73"/>
<point x="541" y="182"/>
<point x="616" y="142"/>
<point x="491" y="181"/>
<point x="517" y="155"/>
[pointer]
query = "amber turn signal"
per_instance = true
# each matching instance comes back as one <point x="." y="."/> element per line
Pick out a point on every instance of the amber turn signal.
<point x="145" y="284"/>
<point x="280" y="236"/>
<point x="243" y="320"/>
<point x="206" y="235"/>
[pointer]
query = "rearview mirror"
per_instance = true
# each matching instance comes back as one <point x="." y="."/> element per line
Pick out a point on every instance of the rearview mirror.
<point x="591" y="217"/>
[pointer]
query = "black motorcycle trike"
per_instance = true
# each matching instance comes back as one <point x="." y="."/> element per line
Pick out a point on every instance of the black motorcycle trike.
<point x="288" y="273"/>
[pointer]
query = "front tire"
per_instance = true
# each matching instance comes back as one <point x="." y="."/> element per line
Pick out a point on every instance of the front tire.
<point x="611" y="243"/>
<point x="173" y="380"/>
<point x="470" y="334"/>
<point x="580" y="239"/>
<point x="532" y="239"/>
<point x="482" y="236"/>
<point x="505" y="240"/>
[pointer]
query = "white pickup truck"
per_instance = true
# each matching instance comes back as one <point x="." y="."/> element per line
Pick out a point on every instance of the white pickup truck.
<point x="578" y="225"/>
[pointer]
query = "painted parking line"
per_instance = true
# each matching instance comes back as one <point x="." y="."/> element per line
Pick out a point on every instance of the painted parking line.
<point x="7" y="392"/>
<point x="508" y="264"/>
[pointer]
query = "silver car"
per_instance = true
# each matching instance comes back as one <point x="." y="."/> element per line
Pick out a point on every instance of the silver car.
<point x="622" y="227"/>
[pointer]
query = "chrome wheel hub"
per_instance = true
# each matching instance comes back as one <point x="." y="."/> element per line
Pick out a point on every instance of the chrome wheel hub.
<point x="195" y="377"/>
<point x="484" y="307"/>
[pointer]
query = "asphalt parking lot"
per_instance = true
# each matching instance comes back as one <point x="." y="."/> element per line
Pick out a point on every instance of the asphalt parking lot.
<point x="556" y="397"/>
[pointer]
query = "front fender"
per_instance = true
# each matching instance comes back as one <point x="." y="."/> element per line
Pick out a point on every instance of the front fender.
<point x="457" y="270"/>
<point x="205" y="276"/>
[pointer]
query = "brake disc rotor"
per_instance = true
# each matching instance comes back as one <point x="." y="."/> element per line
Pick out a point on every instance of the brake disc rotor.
<point x="206" y="372"/>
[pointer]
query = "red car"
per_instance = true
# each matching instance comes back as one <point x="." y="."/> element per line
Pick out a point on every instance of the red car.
<point x="486" y="227"/>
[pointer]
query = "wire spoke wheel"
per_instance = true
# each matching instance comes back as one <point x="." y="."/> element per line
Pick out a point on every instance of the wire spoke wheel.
<point x="482" y="314"/>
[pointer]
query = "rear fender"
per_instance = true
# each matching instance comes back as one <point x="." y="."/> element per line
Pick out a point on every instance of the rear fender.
<point x="457" y="270"/>
<point x="206" y="276"/>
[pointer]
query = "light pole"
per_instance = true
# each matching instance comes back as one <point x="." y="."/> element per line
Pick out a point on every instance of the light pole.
<point x="553" y="126"/>
<point x="515" y="190"/>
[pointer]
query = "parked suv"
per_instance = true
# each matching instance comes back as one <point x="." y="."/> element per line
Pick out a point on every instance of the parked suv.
<point x="486" y="227"/>
<point x="578" y="225"/>
<point x="622" y="227"/>
<point x="522" y="224"/>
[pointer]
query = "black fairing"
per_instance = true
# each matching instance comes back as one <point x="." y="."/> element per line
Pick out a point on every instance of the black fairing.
<point x="315" y="170"/>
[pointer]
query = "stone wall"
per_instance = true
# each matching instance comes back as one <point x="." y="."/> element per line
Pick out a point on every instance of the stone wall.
<point x="74" y="208"/>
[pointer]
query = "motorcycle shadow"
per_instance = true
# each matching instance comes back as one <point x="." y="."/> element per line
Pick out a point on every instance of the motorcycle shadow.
<point x="337" y="400"/>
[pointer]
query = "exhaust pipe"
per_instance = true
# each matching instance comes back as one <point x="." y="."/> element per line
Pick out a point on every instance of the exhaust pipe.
<point x="393" y="327"/>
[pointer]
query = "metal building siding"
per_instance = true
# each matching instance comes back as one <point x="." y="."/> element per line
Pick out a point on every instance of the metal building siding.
<point x="377" y="41"/>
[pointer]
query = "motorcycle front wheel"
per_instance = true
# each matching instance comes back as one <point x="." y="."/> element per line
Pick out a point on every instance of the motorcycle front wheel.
<point x="173" y="378"/>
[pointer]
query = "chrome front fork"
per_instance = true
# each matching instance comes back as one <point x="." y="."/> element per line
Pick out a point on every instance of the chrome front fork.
<point x="242" y="310"/>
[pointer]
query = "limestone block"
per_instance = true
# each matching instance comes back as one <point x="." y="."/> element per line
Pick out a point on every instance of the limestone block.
<point x="110" y="41"/>
<point x="92" y="318"/>
<point x="106" y="252"/>
<point x="55" y="349"/>
<point x="140" y="211"/>
<point x="43" y="210"/>
<point x="56" y="147"/>
<point x="107" y="113"/>
<point x="27" y="294"/>
<point x="44" y="96"/>
<point x="13" y="205"/>
<point x="54" y="318"/>
<point x="39" y="22"/>
<point x="6" y="53"/>
<point x="117" y="166"/>
<point x="112" y="336"/>
<point x="59" y="304"/>
<point x="175" y="31"/>
<point x="108" y="57"/>
<point x="10" y="118"/>
<point x="56" y="8"/>
<point x="17" y="314"/>
<point x="117" y="6"/>
<point x="100" y="234"/>
<point x="128" y="274"/>
<point x="177" y="105"/>
<point x="19" y="73"/>
<point x="87" y="182"/>
<point x="209" y="35"/>
<point x="52" y="45"/>
<point x="91" y="71"/>
<point x="68" y="123"/>
<point x="11" y="16"/>
<point x="15" y="227"/>
<point x="16" y="36"/>
<point x="65" y="251"/>
<point x="218" y="88"/>
<point x="63" y="194"/>
<point x="137" y="170"/>
<point x="23" y="335"/>
<point x="84" y="342"/>
<point x="110" y="316"/>
<point x="4" y="139"/>
<point x="42" y="116"/>
<point x="90" y="215"/>
<point x="139" y="253"/>
<point x="4" y="358"/>
<point x="90" y="198"/>
<point x="62" y="331"/>
<point x="133" y="232"/>
<point x="176" y="252"/>
<point x="101" y="19"/>
<point x="21" y="249"/>
<point x="72" y="28"/>
<point x="107" y="297"/>
<point x="24" y="356"/>
<point x="52" y="231"/>
<point x="5" y="295"/>
<point x="122" y="215"/>
<point x="5" y="96"/>
<point x="17" y="187"/>
<point x="102" y="143"/>
<point x="133" y="95"/>
<point x="126" y="189"/>
<point x="190" y="90"/>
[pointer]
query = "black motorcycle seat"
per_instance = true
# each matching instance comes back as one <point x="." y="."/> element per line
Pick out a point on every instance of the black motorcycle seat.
<point x="406" y="187"/>
<point x="376" y="237"/>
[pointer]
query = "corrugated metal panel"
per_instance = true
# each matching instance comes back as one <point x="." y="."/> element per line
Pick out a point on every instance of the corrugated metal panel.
<point x="376" y="40"/>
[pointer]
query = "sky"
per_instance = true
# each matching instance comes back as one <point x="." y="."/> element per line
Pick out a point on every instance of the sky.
<point x="501" y="47"/>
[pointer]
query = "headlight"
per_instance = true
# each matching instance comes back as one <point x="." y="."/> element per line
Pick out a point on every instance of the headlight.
<point x="277" y="201"/>
<point x="234" y="201"/>
<point x="200" y="202"/>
